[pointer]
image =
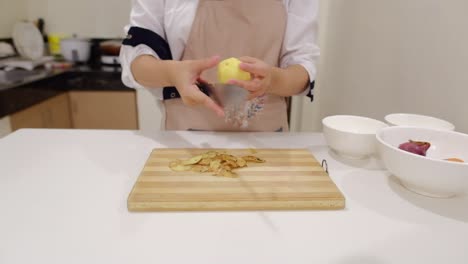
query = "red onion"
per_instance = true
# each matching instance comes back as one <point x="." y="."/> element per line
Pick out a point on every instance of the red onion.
<point x="416" y="147"/>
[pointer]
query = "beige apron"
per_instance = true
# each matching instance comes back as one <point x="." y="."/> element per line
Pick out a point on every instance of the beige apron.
<point x="233" y="28"/>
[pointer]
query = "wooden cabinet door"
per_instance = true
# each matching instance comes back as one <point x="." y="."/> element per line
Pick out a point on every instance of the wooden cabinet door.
<point x="104" y="109"/>
<point x="5" y="126"/>
<point x="57" y="113"/>
<point x="52" y="113"/>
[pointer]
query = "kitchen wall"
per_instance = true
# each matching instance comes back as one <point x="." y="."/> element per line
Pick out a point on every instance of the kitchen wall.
<point x="381" y="56"/>
<point x="11" y="11"/>
<point x="87" y="18"/>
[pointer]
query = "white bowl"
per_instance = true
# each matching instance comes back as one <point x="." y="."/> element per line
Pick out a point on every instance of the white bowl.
<point x="418" y="121"/>
<point x="352" y="136"/>
<point x="431" y="175"/>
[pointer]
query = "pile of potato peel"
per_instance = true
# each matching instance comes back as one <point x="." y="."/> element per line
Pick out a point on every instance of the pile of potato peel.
<point x="219" y="163"/>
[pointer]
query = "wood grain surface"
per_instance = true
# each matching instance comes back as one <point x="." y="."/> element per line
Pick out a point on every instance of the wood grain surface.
<point x="291" y="179"/>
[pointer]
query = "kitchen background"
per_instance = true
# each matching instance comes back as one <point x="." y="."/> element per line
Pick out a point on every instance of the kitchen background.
<point x="378" y="57"/>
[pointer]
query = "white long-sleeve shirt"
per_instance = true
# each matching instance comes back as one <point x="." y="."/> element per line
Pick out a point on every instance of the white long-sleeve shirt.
<point x="172" y="20"/>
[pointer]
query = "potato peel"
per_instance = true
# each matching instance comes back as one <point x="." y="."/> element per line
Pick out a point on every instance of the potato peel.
<point x="193" y="160"/>
<point x="221" y="164"/>
<point x="253" y="159"/>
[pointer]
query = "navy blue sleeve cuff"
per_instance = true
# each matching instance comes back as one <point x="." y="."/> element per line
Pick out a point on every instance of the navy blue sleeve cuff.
<point x="138" y="36"/>
<point x="311" y="91"/>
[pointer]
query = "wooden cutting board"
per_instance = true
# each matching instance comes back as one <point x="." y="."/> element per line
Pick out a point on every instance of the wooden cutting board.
<point x="291" y="179"/>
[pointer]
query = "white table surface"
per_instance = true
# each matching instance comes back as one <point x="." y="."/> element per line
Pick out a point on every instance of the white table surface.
<point x="63" y="200"/>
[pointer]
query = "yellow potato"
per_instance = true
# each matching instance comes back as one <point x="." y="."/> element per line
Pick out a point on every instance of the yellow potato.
<point x="229" y="69"/>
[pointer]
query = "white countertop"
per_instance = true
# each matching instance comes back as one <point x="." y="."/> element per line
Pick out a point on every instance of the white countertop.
<point x="63" y="199"/>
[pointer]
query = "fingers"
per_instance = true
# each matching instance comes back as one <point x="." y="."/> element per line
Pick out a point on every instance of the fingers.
<point x="207" y="63"/>
<point x="202" y="81"/>
<point x="194" y="97"/>
<point x="254" y="87"/>
<point x="251" y="86"/>
<point x="248" y="59"/>
<point x="210" y="104"/>
<point x="254" y="68"/>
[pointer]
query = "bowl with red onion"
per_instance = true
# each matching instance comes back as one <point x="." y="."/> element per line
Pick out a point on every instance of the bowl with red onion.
<point x="430" y="162"/>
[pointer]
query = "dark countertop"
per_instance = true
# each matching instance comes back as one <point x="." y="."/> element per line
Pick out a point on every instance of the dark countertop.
<point x="45" y="84"/>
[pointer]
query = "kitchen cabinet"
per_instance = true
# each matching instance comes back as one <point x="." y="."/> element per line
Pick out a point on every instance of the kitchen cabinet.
<point x="52" y="113"/>
<point x="104" y="109"/>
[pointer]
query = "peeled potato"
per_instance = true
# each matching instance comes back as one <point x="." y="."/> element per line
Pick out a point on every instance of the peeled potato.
<point x="229" y="69"/>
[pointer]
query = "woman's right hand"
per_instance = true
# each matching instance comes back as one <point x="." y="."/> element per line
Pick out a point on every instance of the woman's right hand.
<point x="184" y="76"/>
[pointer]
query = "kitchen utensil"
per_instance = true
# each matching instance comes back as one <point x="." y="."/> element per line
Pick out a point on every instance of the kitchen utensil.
<point x="110" y="48"/>
<point x="352" y="137"/>
<point x="418" y="121"/>
<point x="291" y="179"/>
<point x="431" y="175"/>
<point x="6" y="50"/>
<point x="110" y="60"/>
<point x="76" y="49"/>
<point x="28" y="40"/>
<point x="26" y="64"/>
<point x="54" y="43"/>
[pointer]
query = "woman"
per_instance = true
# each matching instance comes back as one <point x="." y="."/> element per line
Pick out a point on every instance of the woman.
<point x="172" y="45"/>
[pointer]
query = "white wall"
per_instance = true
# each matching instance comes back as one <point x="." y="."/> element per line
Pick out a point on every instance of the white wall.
<point x="11" y="11"/>
<point x="87" y="18"/>
<point x="304" y="112"/>
<point x="381" y="56"/>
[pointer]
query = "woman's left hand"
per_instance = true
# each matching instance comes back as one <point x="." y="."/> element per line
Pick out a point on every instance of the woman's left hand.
<point x="262" y="75"/>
